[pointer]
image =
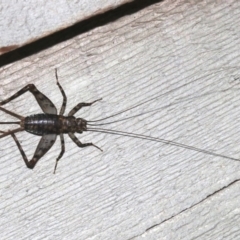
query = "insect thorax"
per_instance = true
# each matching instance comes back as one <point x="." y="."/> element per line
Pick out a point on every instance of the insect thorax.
<point x="41" y="124"/>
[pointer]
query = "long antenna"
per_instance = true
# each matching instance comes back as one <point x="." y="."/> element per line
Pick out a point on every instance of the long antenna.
<point x="173" y="143"/>
<point x="137" y="105"/>
<point x="126" y="118"/>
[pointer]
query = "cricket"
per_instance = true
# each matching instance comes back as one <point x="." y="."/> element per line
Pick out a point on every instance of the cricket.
<point x="49" y="125"/>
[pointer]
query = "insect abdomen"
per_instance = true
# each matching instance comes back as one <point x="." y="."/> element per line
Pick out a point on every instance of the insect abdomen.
<point x="41" y="124"/>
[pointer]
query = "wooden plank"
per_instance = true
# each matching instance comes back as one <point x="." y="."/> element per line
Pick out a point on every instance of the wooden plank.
<point x="187" y="56"/>
<point x="185" y="226"/>
<point x="23" y="22"/>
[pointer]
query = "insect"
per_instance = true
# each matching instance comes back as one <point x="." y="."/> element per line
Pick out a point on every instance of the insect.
<point x="49" y="125"/>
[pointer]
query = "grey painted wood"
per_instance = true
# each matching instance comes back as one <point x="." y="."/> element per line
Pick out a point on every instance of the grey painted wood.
<point x="187" y="55"/>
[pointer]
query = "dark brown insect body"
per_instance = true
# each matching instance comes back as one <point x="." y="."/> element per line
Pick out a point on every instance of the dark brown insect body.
<point x="49" y="125"/>
<point x="41" y="124"/>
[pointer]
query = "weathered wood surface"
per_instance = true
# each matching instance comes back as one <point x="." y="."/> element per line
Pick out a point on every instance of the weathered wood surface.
<point x="23" y="22"/>
<point x="186" y="54"/>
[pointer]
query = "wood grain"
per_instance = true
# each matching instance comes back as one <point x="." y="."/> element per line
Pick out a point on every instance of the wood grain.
<point x="185" y="54"/>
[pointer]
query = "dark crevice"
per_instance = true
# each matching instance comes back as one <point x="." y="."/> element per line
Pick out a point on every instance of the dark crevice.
<point x="186" y="209"/>
<point x="74" y="30"/>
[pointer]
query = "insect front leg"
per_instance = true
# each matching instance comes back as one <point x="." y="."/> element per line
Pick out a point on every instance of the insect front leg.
<point x="44" y="102"/>
<point x="80" y="105"/>
<point x="81" y="145"/>
<point x="44" y="145"/>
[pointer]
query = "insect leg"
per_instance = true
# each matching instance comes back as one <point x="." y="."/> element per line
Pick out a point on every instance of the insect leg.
<point x="80" y="105"/>
<point x="61" y="153"/>
<point x="44" y="145"/>
<point x="11" y="113"/>
<point x="81" y="145"/>
<point x="6" y="133"/>
<point x="63" y="94"/>
<point x="21" y="150"/>
<point x="43" y="101"/>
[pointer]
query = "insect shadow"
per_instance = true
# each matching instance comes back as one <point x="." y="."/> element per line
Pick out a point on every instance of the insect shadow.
<point x="49" y="124"/>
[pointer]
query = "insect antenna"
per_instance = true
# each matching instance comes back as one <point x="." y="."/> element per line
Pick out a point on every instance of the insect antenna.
<point x="154" y="139"/>
<point x="123" y="119"/>
<point x="94" y="128"/>
<point x="135" y="106"/>
<point x="149" y="100"/>
<point x="126" y="118"/>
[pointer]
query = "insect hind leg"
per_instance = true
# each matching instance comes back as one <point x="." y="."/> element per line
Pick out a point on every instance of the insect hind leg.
<point x="44" y="145"/>
<point x="28" y="164"/>
<point x="44" y="102"/>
